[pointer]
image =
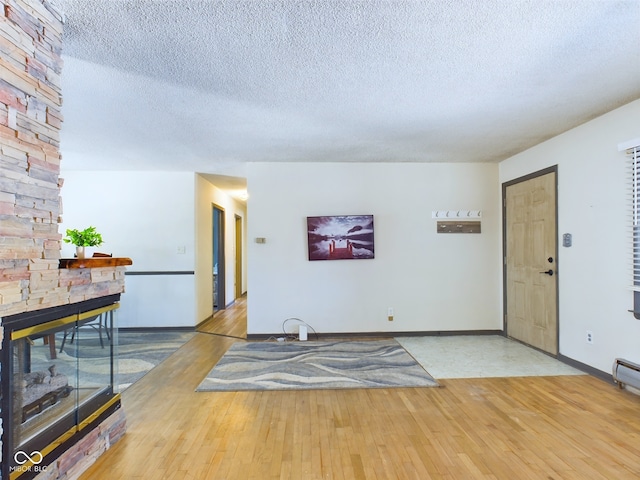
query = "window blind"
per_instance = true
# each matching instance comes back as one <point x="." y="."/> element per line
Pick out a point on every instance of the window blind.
<point x="632" y="150"/>
<point x="633" y="154"/>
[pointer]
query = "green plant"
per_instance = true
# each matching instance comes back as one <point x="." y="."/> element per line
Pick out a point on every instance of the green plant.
<point x="83" y="238"/>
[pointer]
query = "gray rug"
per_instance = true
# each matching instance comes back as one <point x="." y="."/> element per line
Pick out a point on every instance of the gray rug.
<point x="315" y="365"/>
<point x="138" y="353"/>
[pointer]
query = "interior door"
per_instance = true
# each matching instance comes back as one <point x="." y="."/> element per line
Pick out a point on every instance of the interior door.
<point x="531" y="280"/>
<point x="219" y="271"/>
<point x="239" y="255"/>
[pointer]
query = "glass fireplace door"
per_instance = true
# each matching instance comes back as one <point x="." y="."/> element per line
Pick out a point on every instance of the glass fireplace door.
<point x="62" y="372"/>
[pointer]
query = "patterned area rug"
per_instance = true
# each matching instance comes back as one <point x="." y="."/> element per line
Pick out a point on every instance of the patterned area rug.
<point x="315" y="365"/>
<point x="138" y="353"/>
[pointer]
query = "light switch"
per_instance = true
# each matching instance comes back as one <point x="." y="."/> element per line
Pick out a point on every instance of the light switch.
<point x="566" y="240"/>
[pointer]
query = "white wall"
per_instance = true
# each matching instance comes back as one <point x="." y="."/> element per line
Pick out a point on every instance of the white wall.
<point x="146" y="216"/>
<point x="592" y="203"/>
<point x="435" y="282"/>
<point x="208" y="195"/>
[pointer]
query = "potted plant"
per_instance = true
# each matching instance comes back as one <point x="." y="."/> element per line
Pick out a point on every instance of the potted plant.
<point x="88" y="237"/>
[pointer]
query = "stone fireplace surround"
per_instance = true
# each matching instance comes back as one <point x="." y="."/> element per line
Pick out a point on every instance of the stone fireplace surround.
<point x="30" y="196"/>
<point x="55" y="399"/>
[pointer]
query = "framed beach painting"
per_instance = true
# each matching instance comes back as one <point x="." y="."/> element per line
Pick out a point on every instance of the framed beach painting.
<point x="340" y="237"/>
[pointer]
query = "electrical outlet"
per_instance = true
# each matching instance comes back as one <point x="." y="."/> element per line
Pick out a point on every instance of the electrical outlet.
<point x="589" y="337"/>
<point x="390" y="314"/>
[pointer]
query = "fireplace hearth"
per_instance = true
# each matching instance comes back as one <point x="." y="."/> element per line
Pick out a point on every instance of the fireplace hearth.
<point x="60" y="365"/>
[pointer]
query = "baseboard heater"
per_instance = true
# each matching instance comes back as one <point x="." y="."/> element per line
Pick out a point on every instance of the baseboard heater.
<point x="626" y="373"/>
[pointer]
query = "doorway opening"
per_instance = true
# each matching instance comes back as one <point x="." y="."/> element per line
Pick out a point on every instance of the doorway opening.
<point x="238" y="260"/>
<point x="218" y="259"/>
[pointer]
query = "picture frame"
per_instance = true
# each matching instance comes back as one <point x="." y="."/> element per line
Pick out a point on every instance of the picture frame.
<point x="340" y="237"/>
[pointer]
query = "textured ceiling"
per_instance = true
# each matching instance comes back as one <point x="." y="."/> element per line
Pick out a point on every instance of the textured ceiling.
<point x="207" y="86"/>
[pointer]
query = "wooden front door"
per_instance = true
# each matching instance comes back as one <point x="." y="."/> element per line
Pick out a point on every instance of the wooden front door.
<point x="531" y="280"/>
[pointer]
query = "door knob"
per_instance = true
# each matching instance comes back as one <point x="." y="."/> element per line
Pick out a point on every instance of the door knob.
<point x="548" y="272"/>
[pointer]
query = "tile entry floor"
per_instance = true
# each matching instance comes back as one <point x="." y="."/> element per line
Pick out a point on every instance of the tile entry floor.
<point x="475" y="356"/>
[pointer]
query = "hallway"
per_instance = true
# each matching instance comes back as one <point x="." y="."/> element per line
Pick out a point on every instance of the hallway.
<point x="229" y="322"/>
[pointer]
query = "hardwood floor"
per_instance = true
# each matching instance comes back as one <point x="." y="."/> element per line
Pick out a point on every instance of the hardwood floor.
<point x="230" y="322"/>
<point x="572" y="427"/>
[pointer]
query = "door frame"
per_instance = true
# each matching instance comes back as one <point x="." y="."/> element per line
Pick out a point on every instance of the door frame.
<point x="239" y="255"/>
<point x="553" y="169"/>
<point x="222" y="274"/>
